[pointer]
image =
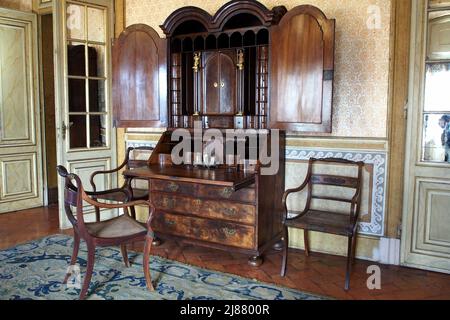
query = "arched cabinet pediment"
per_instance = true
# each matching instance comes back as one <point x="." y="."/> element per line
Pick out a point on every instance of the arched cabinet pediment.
<point x="275" y="66"/>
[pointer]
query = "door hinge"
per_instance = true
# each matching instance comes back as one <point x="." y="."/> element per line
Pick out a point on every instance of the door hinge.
<point x="399" y="231"/>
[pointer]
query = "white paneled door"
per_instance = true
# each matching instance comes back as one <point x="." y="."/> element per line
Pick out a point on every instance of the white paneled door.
<point x="21" y="180"/>
<point x="85" y="137"/>
<point x="426" y="218"/>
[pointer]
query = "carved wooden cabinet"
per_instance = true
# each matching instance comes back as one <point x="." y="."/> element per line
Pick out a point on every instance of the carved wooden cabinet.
<point x="246" y="67"/>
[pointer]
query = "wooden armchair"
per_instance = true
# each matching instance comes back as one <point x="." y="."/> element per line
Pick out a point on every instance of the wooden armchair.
<point x="327" y="221"/>
<point x="113" y="232"/>
<point x="126" y="192"/>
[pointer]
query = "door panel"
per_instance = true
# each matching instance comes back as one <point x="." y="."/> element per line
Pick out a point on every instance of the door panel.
<point x="426" y="214"/>
<point x="432" y="231"/>
<point x="140" y="78"/>
<point x="302" y="63"/>
<point x="17" y="108"/>
<point x="86" y="141"/>
<point x="219" y="83"/>
<point x="21" y="180"/>
<point x="211" y="94"/>
<point x="227" y="84"/>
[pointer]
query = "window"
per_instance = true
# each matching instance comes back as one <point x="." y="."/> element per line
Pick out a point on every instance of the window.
<point x="436" y="101"/>
<point x="87" y="74"/>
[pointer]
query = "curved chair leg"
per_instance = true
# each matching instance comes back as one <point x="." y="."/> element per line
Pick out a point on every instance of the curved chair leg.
<point x="73" y="259"/>
<point x="306" y="241"/>
<point x="349" y="264"/>
<point x="285" y="250"/>
<point x="146" y="262"/>
<point x="89" y="269"/>
<point x="123" y="249"/>
<point x="354" y="249"/>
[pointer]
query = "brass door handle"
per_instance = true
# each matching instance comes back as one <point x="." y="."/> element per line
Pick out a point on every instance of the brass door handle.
<point x="215" y="84"/>
<point x="64" y="129"/>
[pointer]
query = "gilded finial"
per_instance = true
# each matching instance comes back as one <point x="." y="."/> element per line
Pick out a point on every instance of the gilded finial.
<point x="240" y="56"/>
<point x="196" y="61"/>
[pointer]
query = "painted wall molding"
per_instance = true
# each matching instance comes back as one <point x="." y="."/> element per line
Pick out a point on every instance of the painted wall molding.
<point x="376" y="227"/>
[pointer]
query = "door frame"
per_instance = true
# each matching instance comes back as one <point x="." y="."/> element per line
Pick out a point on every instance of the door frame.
<point x="61" y="90"/>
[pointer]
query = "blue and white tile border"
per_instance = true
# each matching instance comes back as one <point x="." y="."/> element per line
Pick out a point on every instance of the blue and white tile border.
<point x="379" y="161"/>
<point x="377" y="158"/>
<point x="140" y="143"/>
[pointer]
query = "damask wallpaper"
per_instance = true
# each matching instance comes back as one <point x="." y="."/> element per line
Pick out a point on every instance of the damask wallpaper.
<point x="362" y="55"/>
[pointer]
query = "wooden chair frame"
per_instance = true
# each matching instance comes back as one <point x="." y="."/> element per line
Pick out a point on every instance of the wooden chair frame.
<point x="340" y="181"/>
<point x="74" y="195"/>
<point x="126" y="187"/>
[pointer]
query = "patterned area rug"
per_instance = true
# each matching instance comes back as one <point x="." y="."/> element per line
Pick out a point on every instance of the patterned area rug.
<point x="35" y="270"/>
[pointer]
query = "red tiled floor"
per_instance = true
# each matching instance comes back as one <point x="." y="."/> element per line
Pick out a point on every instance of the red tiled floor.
<point x="320" y="273"/>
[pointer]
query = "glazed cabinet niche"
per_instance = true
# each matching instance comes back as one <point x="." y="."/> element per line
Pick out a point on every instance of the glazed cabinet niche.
<point x="245" y="67"/>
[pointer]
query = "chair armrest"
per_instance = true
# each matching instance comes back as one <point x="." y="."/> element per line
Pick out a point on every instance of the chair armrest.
<point x="124" y="163"/>
<point x="114" y="206"/>
<point x="290" y="191"/>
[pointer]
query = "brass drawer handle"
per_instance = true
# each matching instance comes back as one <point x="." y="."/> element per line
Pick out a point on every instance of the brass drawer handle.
<point x="226" y="192"/>
<point x="169" y="203"/>
<point x="172" y="186"/>
<point x="229" y="211"/>
<point x="229" y="232"/>
<point x="170" y="222"/>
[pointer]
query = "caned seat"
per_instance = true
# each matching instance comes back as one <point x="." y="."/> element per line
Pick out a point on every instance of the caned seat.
<point x="335" y="222"/>
<point x="321" y="221"/>
<point x="113" y="232"/>
<point x="122" y="226"/>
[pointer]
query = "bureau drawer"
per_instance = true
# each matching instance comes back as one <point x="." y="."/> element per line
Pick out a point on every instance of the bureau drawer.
<point x="173" y="186"/>
<point x="216" y="209"/>
<point x="204" y="229"/>
<point x="243" y="195"/>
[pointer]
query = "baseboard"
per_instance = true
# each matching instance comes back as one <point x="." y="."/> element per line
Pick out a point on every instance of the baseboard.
<point x="388" y="251"/>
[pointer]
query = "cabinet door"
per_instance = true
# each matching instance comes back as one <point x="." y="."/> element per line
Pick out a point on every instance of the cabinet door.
<point x="302" y="63"/>
<point x="140" y="78"/>
<point x="219" y="87"/>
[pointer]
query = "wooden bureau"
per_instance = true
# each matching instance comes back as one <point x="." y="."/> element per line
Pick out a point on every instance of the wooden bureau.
<point x="245" y="67"/>
<point x="220" y="208"/>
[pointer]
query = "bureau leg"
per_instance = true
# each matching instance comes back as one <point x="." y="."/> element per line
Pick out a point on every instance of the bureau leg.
<point x="156" y="242"/>
<point x="255" y="261"/>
